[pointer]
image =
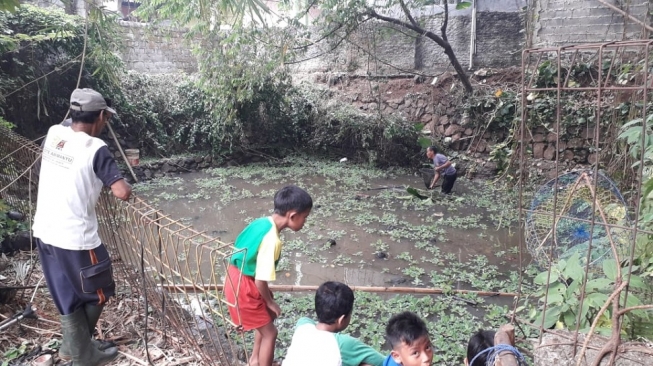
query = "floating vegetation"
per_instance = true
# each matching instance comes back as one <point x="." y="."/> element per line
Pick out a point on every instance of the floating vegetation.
<point x="365" y="229"/>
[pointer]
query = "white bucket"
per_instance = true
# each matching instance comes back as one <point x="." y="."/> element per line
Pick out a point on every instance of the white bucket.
<point x="133" y="156"/>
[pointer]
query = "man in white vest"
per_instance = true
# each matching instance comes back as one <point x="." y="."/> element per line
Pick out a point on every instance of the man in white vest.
<point x="75" y="166"/>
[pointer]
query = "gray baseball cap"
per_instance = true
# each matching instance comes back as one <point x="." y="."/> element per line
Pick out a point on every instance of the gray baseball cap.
<point x="88" y="100"/>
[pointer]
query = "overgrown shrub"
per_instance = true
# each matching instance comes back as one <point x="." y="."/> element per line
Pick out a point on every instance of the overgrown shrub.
<point x="171" y="114"/>
<point x="343" y="130"/>
<point x="41" y="53"/>
<point x="165" y="114"/>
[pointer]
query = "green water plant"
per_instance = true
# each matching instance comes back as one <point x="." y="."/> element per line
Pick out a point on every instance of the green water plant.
<point x="568" y="305"/>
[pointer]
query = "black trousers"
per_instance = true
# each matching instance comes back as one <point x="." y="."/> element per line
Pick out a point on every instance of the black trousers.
<point x="447" y="182"/>
<point x="77" y="277"/>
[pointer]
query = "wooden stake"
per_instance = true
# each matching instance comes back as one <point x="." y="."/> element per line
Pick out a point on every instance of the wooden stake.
<point x="392" y="290"/>
<point x="505" y="335"/>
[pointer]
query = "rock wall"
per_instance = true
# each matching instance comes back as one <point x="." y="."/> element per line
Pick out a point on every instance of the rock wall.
<point x="165" y="167"/>
<point x="440" y="111"/>
<point x="558" y="350"/>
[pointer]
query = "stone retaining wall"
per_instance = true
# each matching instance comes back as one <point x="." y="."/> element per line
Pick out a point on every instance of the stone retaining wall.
<point x="167" y="167"/>
<point x="441" y="115"/>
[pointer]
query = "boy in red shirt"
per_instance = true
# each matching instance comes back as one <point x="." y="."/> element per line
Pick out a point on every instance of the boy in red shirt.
<point x="253" y="265"/>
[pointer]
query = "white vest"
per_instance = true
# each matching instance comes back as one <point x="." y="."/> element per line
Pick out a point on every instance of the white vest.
<point x="68" y="190"/>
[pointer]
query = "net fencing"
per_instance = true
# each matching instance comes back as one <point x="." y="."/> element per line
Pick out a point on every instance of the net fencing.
<point x="173" y="269"/>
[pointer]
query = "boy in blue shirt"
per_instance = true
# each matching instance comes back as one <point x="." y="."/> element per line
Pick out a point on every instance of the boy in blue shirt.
<point x="444" y="168"/>
<point x="409" y="339"/>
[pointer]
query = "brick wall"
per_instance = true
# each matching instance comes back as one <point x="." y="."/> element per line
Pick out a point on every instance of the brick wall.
<point x="156" y="51"/>
<point x="566" y="22"/>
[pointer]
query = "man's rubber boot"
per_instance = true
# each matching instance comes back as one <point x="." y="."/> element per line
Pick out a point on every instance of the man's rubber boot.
<point x="74" y="328"/>
<point x="92" y="316"/>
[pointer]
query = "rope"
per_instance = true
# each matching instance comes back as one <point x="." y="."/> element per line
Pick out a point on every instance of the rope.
<point x="493" y="352"/>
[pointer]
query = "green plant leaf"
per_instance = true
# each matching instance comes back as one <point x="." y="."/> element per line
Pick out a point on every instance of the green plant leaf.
<point x="610" y="269"/>
<point x="424" y="142"/>
<point x="596" y="299"/>
<point x="463" y="5"/>
<point x="573" y="268"/>
<point x="540" y="279"/>
<point x="599" y="284"/>
<point x="9" y="5"/>
<point x="414" y="192"/>
<point x="638" y="283"/>
<point x="555" y="298"/>
<point x="552" y="316"/>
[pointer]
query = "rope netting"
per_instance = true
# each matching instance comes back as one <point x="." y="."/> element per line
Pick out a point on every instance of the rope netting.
<point x="176" y="271"/>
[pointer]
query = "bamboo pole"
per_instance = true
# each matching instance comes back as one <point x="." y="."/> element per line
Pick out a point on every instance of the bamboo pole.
<point x="303" y="288"/>
<point x="122" y="153"/>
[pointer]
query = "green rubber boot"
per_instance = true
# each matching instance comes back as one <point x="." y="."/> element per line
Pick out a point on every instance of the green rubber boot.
<point x="92" y="316"/>
<point x="77" y="339"/>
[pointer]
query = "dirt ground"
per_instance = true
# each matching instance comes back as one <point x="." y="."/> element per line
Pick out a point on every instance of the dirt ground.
<point x="35" y="337"/>
<point x="439" y="90"/>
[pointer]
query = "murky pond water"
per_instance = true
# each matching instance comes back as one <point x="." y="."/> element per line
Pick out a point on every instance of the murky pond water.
<point x="382" y="236"/>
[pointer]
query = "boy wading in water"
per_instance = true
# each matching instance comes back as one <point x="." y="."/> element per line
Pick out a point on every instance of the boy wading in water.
<point x="258" y="249"/>
<point x="443" y="167"/>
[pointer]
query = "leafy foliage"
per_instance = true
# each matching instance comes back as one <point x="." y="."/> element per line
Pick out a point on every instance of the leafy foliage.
<point x="8" y="227"/>
<point x="379" y="140"/>
<point x="170" y="114"/>
<point x="638" y="134"/>
<point x="562" y="296"/>
<point x="41" y="55"/>
<point x="9" y="5"/>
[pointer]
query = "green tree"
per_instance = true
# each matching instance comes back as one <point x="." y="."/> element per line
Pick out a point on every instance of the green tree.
<point x="240" y="61"/>
<point x="9" y="5"/>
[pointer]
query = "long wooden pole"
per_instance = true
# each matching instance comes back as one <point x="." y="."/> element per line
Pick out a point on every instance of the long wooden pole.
<point x="122" y="153"/>
<point x="296" y="288"/>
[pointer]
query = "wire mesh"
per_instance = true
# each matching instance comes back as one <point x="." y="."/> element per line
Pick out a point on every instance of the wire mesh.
<point x="583" y="209"/>
<point x="575" y="214"/>
<point x="176" y="271"/>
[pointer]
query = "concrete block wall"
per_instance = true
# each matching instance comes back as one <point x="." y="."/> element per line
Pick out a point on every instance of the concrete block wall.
<point x="567" y="22"/>
<point x="156" y="51"/>
<point x="499" y="42"/>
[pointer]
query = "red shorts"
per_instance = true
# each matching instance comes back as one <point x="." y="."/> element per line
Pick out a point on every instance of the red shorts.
<point x="250" y="310"/>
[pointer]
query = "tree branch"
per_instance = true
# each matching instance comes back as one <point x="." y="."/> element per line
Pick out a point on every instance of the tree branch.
<point x="445" y="23"/>
<point x="639" y="307"/>
<point x="435" y="38"/>
<point x="412" y="27"/>
<point x="605" y="306"/>
<point x="408" y="15"/>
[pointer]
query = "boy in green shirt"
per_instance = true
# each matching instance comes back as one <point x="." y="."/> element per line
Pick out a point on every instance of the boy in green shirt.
<point x="320" y="343"/>
<point x="253" y="265"/>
